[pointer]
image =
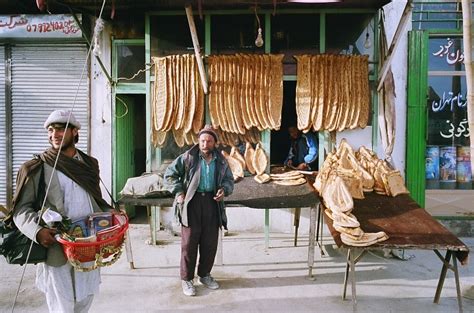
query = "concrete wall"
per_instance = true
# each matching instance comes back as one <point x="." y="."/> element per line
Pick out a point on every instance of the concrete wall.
<point x="359" y="137"/>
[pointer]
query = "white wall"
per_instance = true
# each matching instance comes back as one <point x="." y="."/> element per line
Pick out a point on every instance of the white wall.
<point x="101" y="113"/>
<point x="359" y="137"/>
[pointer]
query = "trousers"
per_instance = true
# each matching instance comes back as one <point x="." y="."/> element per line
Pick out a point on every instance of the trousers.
<point x="201" y="235"/>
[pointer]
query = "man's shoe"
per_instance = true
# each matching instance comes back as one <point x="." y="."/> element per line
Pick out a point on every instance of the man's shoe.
<point x="209" y="282"/>
<point x="188" y="288"/>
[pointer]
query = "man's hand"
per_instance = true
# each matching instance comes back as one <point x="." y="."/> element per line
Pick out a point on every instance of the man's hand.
<point x="219" y="195"/>
<point x="302" y="166"/>
<point x="289" y="163"/>
<point x="180" y="198"/>
<point x="45" y="237"/>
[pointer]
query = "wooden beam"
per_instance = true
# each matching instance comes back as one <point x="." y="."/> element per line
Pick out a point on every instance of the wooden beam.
<point x="197" y="49"/>
<point x="394" y="44"/>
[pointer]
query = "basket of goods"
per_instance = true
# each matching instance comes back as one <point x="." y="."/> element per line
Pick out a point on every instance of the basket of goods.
<point x="98" y="238"/>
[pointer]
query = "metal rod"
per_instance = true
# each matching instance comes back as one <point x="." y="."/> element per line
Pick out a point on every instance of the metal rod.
<point x="197" y="49"/>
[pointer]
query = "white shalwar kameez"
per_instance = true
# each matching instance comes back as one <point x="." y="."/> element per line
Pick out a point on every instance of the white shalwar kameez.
<point x="67" y="290"/>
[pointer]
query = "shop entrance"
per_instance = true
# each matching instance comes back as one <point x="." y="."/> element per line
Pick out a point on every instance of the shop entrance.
<point x="130" y="140"/>
<point x="280" y="139"/>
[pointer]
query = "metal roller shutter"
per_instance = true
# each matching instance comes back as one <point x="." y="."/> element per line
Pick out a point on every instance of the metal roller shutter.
<point x="3" y="134"/>
<point x="46" y="78"/>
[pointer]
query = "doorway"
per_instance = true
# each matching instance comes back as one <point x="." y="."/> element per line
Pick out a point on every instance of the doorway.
<point x="130" y="140"/>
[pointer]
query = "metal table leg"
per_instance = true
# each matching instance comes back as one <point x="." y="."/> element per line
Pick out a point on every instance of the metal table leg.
<point x="155" y="219"/>
<point x="446" y="265"/>
<point x="267" y="229"/>
<point x="346" y="274"/>
<point x="353" y="281"/>
<point x="312" y="228"/>
<point x="296" y="223"/>
<point x="442" y="276"/>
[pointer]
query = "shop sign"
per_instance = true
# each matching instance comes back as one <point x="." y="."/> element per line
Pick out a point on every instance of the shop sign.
<point x="450" y="52"/>
<point x="39" y="26"/>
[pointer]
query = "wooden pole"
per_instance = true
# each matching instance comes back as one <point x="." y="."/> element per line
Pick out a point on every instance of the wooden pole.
<point x="406" y="17"/>
<point x="467" y="40"/>
<point x="197" y="49"/>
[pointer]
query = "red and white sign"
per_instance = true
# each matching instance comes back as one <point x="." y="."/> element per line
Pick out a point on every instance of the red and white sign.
<point x="39" y="26"/>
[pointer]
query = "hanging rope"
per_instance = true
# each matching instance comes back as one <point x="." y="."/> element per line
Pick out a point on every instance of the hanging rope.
<point x="56" y="162"/>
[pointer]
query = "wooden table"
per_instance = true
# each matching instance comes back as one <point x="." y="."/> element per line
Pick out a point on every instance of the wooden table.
<point x="247" y="193"/>
<point x="409" y="227"/>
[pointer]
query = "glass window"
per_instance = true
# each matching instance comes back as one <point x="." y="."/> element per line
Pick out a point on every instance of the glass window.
<point x="448" y="146"/>
<point x="446" y="54"/>
<point x="171" y="35"/>
<point x="294" y="34"/>
<point x="130" y="60"/>
<point x="236" y="33"/>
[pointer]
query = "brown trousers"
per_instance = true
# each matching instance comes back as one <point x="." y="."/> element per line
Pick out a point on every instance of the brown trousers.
<point x="202" y="234"/>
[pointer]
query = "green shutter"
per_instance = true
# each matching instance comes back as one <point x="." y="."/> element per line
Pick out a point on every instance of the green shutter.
<point x="416" y="114"/>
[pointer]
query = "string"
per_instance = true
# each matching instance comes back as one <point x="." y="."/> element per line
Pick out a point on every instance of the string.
<point x="55" y="164"/>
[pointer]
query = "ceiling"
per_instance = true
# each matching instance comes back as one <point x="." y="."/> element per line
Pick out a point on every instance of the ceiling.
<point x="93" y="6"/>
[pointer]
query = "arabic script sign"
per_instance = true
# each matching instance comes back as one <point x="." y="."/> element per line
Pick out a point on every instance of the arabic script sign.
<point x="452" y="54"/>
<point x="39" y="26"/>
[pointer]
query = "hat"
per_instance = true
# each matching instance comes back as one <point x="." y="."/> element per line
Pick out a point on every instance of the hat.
<point x="208" y="129"/>
<point x="61" y="117"/>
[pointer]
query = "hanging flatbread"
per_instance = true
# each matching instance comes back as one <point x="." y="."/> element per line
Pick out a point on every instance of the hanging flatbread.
<point x="252" y="99"/>
<point x="214" y="90"/>
<point x="260" y="160"/>
<point x="318" y="117"/>
<point x="303" y="91"/>
<point x="276" y="90"/>
<point x="237" y="86"/>
<point x="357" y="93"/>
<point x="263" y="178"/>
<point x="365" y="92"/>
<point x="248" y="156"/>
<point x="264" y="95"/>
<point x="243" y="90"/>
<point x="160" y="102"/>
<point x="180" y="105"/>
<point x="179" y="137"/>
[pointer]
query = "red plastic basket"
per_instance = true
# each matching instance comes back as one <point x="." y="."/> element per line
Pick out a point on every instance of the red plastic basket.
<point x="106" y="246"/>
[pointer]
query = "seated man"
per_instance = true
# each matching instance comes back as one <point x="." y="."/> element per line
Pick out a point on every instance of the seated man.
<point x="303" y="154"/>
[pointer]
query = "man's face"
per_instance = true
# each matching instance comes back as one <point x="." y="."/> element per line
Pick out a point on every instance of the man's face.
<point x="56" y="133"/>
<point x="206" y="143"/>
<point x="294" y="132"/>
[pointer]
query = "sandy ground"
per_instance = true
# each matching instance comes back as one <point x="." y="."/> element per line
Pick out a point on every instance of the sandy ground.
<point x="255" y="280"/>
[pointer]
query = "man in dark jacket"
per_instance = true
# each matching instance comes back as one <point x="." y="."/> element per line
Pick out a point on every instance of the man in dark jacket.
<point x="199" y="179"/>
<point x="303" y="154"/>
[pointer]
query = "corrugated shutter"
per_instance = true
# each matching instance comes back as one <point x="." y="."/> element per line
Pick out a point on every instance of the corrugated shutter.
<point x="3" y="143"/>
<point x="46" y="78"/>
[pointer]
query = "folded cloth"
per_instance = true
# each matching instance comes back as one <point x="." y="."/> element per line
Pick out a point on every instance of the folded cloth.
<point x="147" y="185"/>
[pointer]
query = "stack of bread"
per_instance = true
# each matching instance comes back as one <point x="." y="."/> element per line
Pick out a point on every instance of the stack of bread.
<point x="342" y="178"/>
<point x="177" y="101"/>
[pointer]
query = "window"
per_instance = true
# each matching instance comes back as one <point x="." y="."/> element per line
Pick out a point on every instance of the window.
<point x="448" y="146"/>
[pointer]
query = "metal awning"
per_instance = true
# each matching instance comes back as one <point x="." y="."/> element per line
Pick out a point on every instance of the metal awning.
<point x="29" y="6"/>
